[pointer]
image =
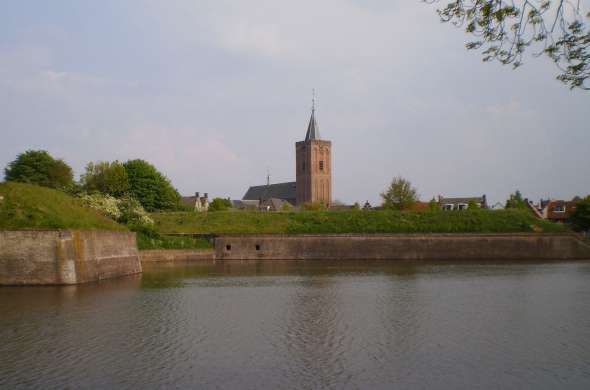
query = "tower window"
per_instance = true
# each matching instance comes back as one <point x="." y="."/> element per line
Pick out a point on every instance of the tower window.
<point x="321" y="165"/>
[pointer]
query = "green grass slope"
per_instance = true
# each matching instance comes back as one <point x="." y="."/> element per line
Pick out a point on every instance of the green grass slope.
<point x="26" y="206"/>
<point x="476" y="221"/>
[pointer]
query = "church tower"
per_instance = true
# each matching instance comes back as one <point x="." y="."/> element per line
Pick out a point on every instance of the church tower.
<point x="313" y="166"/>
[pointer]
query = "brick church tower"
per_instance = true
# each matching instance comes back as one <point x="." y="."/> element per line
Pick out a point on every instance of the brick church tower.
<point x="313" y="166"/>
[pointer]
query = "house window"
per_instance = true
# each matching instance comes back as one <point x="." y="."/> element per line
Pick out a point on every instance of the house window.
<point x="559" y="209"/>
<point x="321" y="165"/>
<point x="228" y="247"/>
<point x="448" y="207"/>
<point x="461" y="206"/>
<point x="257" y="247"/>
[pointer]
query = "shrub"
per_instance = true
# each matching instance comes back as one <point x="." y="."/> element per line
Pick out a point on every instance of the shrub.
<point x="127" y="210"/>
<point x="219" y="204"/>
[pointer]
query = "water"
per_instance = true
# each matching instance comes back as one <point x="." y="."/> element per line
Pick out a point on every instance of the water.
<point x="305" y="325"/>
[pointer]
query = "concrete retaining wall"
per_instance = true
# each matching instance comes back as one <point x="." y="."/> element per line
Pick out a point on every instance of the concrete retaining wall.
<point x="66" y="257"/>
<point x="180" y="255"/>
<point x="402" y="247"/>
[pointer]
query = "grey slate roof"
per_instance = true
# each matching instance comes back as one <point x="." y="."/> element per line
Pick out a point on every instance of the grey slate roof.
<point x="285" y="191"/>
<point x="313" y="130"/>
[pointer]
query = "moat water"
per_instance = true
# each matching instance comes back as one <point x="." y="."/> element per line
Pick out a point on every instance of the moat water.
<point x="305" y="325"/>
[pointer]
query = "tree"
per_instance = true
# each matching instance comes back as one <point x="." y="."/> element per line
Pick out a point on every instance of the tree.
<point x="400" y="195"/>
<point x="515" y="201"/>
<point x="219" y="204"/>
<point x="106" y="177"/>
<point x="40" y="168"/>
<point x="151" y="188"/>
<point x="504" y="29"/>
<point x="581" y="216"/>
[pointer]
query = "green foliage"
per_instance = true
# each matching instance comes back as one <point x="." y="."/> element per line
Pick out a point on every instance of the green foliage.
<point x="504" y="30"/>
<point x="472" y="205"/>
<point x="152" y="189"/>
<point x="581" y="216"/>
<point x="286" y="206"/>
<point x="106" y="177"/>
<point x="27" y="206"/>
<point x="314" y="206"/>
<point x="400" y="195"/>
<point x="515" y="201"/>
<point x="38" y="167"/>
<point x="220" y="204"/>
<point x="125" y="210"/>
<point x="356" y="206"/>
<point x="351" y="221"/>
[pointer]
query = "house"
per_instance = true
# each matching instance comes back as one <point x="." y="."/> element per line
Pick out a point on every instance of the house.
<point x="557" y="210"/>
<point x="462" y="203"/>
<point x="197" y="202"/>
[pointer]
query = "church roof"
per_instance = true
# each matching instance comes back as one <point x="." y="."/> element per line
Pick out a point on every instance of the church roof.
<point x="313" y="130"/>
<point x="284" y="191"/>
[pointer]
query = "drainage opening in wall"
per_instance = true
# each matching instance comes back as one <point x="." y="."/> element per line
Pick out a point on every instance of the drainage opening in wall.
<point x="228" y="247"/>
<point x="257" y="247"/>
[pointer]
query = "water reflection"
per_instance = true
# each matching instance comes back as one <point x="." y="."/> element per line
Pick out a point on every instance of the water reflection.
<point x="305" y="325"/>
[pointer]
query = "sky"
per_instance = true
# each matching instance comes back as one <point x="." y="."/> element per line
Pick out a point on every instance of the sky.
<point x="216" y="93"/>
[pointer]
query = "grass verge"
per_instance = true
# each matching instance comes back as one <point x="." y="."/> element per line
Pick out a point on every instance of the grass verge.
<point x="332" y="222"/>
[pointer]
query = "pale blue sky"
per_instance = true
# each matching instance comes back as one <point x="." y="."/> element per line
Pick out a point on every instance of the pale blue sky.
<point x="216" y="92"/>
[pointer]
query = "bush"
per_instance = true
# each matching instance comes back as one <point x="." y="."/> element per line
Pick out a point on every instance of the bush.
<point x="39" y="168"/>
<point x="127" y="210"/>
<point x="220" y="204"/>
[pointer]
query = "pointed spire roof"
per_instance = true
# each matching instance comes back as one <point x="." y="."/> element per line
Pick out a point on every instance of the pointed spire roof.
<point x="313" y="130"/>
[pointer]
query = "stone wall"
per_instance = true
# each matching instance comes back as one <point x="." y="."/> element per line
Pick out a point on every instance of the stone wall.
<point x="180" y="255"/>
<point x="402" y="247"/>
<point x="66" y="257"/>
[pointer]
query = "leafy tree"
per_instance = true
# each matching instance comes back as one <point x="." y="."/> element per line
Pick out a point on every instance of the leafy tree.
<point x="40" y="168"/>
<point x="151" y="188"/>
<point x="472" y="205"/>
<point x="505" y="29"/>
<point x="106" y="177"/>
<point x="219" y="204"/>
<point x="400" y="195"/>
<point x="581" y="216"/>
<point x="515" y="201"/>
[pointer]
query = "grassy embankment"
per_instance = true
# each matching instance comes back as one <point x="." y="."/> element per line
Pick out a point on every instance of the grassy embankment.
<point x="28" y="207"/>
<point x="468" y="221"/>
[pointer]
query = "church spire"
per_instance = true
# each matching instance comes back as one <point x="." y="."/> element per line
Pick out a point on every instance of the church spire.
<point x="313" y="130"/>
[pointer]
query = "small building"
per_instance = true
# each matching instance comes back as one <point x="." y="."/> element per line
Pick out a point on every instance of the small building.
<point x="198" y="203"/>
<point x="462" y="203"/>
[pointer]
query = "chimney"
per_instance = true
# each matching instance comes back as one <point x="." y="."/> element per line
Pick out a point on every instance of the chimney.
<point x="197" y="194"/>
